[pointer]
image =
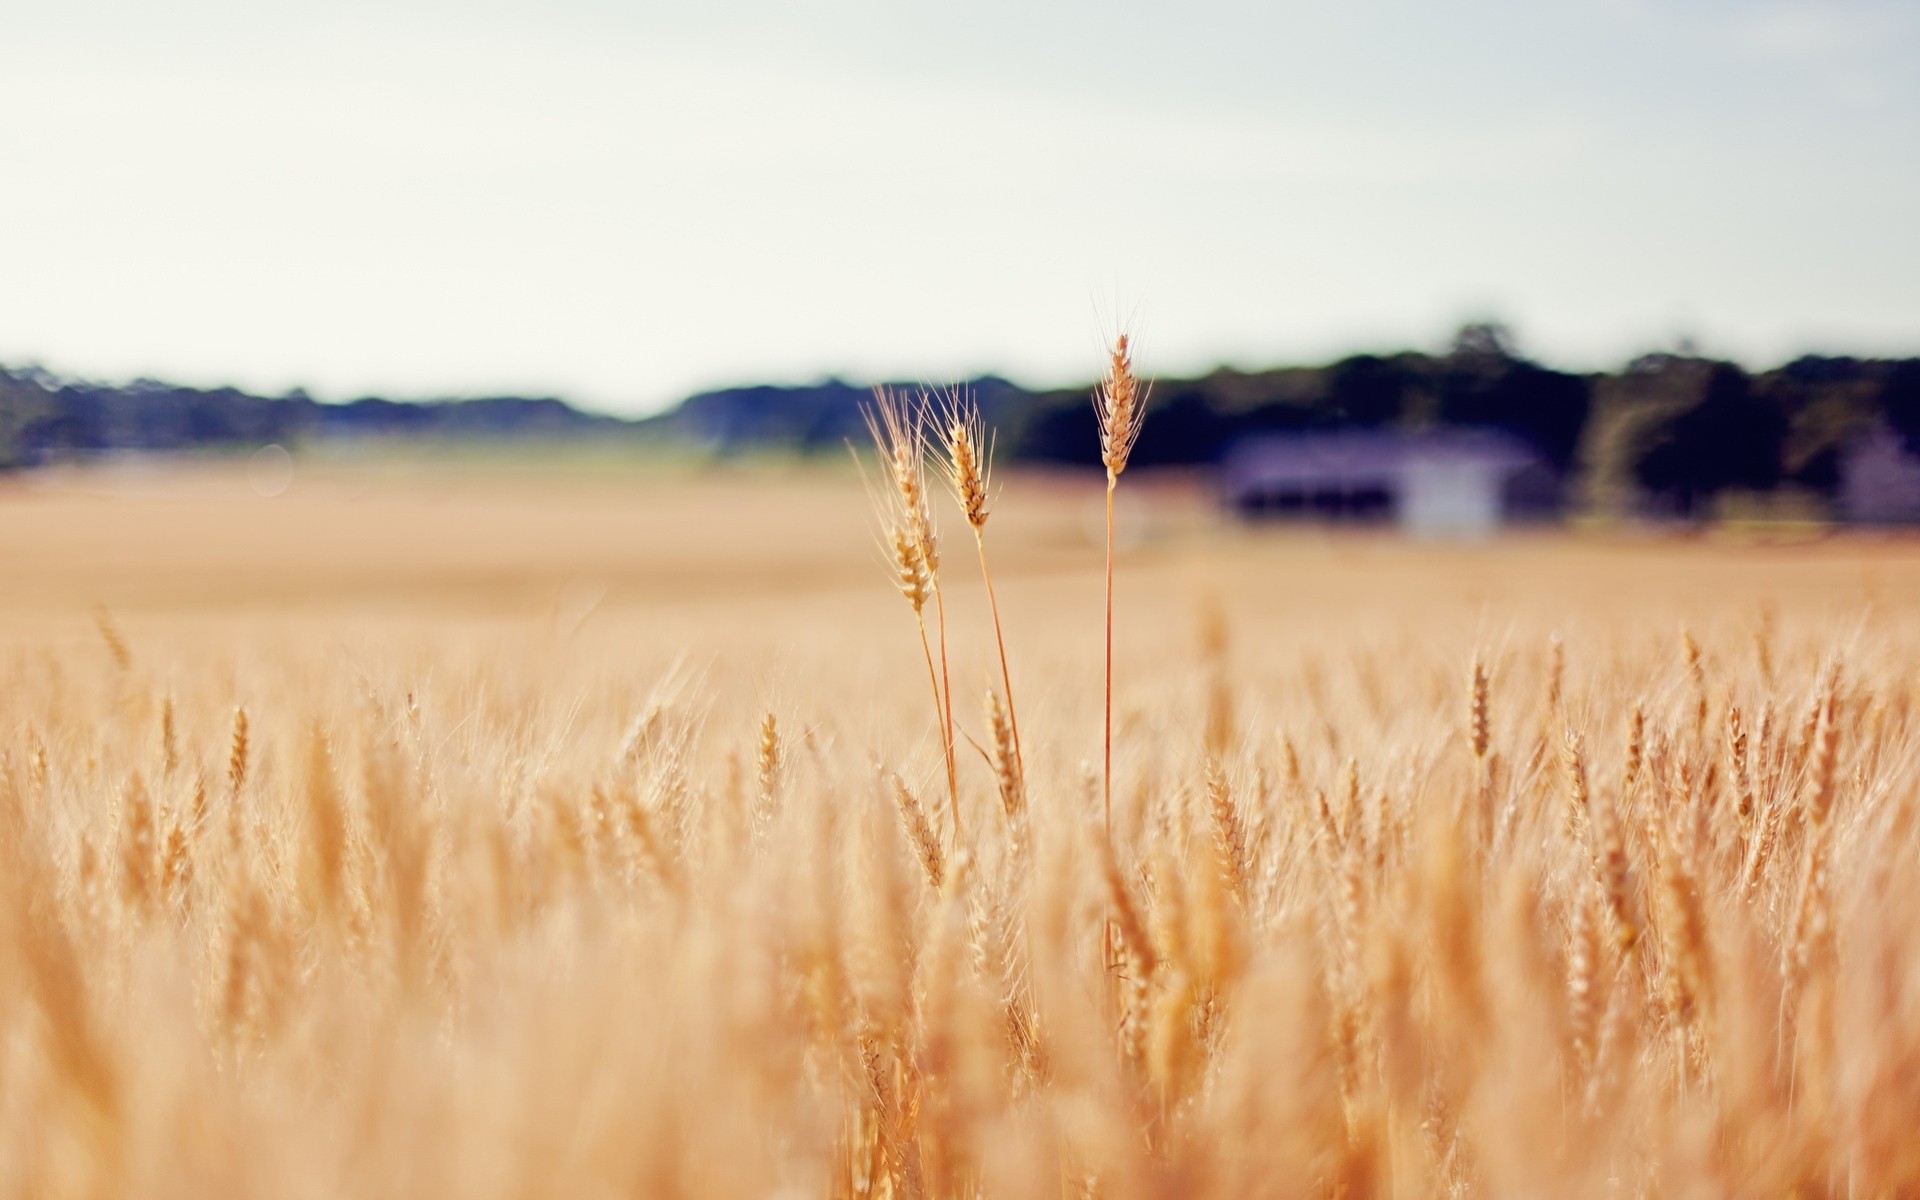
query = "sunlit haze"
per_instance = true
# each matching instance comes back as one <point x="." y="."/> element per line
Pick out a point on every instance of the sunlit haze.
<point x="625" y="203"/>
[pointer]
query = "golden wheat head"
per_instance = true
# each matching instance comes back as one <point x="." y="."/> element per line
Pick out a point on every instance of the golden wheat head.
<point x="968" y="457"/>
<point x="1119" y="403"/>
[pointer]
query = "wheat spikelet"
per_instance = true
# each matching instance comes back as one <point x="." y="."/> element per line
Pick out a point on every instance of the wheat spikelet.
<point x="919" y="831"/>
<point x="1556" y="680"/>
<point x="1346" y="982"/>
<point x="1697" y="679"/>
<point x="1819" y="799"/>
<point x="326" y="835"/>
<point x="1131" y="948"/>
<point x="238" y="1002"/>
<point x="1600" y="823"/>
<point x="768" y="761"/>
<point x="1477" y="729"/>
<point x="1739" y="767"/>
<point x="642" y="735"/>
<point x="1331" y="834"/>
<point x="651" y="847"/>
<point x="1217" y="935"/>
<point x="910" y="569"/>
<point x="169" y="745"/>
<point x="110" y="634"/>
<point x="87" y="876"/>
<point x="237" y="754"/>
<point x="1584" y="953"/>
<point x="1809" y="727"/>
<point x="1229" y="834"/>
<point x="898" y="429"/>
<point x="139" y="849"/>
<point x="1811" y="916"/>
<point x="1765" y="841"/>
<point x="1131" y="964"/>
<point x="1119" y="403"/>
<point x="1684" y="923"/>
<point x="1579" y="793"/>
<point x="176" y="867"/>
<point x="1767" y="756"/>
<point x="1354" y="830"/>
<point x="968" y="459"/>
<point x="1004" y="755"/>
<point x="1611" y="862"/>
<point x="197" y="811"/>
<point x="1478" y="738"/>
<point x="1636" y="748"/>
<point x="37" y="766"/>
<point x="1763" y="634"/>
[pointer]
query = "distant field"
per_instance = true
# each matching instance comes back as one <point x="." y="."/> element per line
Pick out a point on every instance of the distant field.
<point x="559" y="850"/>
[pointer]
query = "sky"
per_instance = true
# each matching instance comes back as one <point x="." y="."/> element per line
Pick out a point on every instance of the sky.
<point x="623" y="203"/>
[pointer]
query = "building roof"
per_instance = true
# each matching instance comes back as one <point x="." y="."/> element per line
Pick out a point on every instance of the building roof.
<point x="1366" y="458"/>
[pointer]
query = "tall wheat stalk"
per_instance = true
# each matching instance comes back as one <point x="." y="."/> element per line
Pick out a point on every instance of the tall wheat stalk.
<point x="1118" y="403"/>
<point x="969" y="466"/>
<point x="899" y="434"/>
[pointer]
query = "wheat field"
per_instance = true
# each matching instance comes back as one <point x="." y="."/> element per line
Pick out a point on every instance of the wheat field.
<point x="490" y="833"/>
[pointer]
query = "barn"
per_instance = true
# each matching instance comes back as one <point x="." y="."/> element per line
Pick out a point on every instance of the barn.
<point x="1443" y="483"/>
<point x="1879" y="480"/>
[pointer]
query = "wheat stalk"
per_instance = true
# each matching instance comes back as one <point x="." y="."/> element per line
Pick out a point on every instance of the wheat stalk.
<point x="898" y="429"/>
<point x="1118" y="404"/>
<point x="969" y="468"/>
<point x="1477" y="741"/>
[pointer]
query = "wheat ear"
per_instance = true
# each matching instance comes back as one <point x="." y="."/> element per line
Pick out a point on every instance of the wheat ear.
<point x="1477" y="740"/>
<point x="969" y="465"/>
<point x="899" y="434"/>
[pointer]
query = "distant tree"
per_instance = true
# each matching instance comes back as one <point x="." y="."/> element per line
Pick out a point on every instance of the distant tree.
<point x="1182" y="427"/>
<point x="1368" y="390"/>
<point x="1900" y="401"/>
<point x="1260" y="401"/>
<point x="25" y="407"/>
<point x="1709" y="432"/>
<point x="1485" y="381"/>
<point x="1280" y="416"/>
<point x="1484" y="342"/>
<point x="1061" y="428"/>
<point x="1826" y="402"/>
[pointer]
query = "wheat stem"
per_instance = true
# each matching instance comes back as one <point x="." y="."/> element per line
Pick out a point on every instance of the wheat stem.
<point x="933" y="679"/>
<point x="1000" y="644"/>
<point x="1117" y="407"/>
<point x="1106" y="740"/>
<point x="946" y="706"/>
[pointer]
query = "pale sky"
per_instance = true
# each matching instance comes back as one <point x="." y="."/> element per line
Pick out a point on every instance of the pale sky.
<point x="624" y="202"/>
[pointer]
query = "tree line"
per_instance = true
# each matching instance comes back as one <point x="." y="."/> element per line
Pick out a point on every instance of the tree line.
<point x="1677" y="426"/>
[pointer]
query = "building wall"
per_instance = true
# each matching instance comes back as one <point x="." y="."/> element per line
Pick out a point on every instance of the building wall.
<point x="1443" y="499"/>
<point x="1880" y="481"/>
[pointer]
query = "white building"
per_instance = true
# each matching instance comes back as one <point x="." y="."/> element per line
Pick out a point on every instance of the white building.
<point x="1879" y="480"/>
<point x="1444" y="484"/>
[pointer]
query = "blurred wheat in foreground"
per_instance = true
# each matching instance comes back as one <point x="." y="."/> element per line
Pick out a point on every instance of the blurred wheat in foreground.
<point x="1617" y="899"/>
